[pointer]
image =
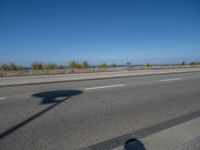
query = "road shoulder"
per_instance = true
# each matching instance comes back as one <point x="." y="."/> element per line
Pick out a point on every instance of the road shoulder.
<point x="180" y="137"/>
<point x="31" y="80"/>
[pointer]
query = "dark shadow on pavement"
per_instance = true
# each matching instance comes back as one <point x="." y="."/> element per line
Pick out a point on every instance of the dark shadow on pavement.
<point x="50" y="97"/>
<point x="56" y="96"/>
<point x="133" y="144"/>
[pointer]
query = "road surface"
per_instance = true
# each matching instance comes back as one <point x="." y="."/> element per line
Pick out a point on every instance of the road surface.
<point x="96" y="114"/>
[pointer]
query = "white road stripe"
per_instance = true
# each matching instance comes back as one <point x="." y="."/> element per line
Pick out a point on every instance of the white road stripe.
<point x="165" y="80"/>
<point x="102" y="87"/>
<point x="1" y="98"/>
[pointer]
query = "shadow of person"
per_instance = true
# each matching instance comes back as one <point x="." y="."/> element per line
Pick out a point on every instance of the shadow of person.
<point x="54" y="97"/>
<point x="133" y="144"/>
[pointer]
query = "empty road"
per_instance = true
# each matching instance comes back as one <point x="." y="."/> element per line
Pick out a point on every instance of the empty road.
<point x="95" y="114"/>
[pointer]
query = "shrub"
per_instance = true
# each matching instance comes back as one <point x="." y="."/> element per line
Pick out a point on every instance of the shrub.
<point x="15" y="67"/>
<point x="61" y="67"/>
<point x="192" y="63"/>
<point x="183" y="63"/>
<point x="37" y="66"/>
<point x="85" y="64"/>
<point x="41" y="66"/>
<point x="148" y="65"/>
<point x="195" y="63"/>
<point x="74" y="65"/>
<point x="10" y="67"/>
<point x="114" y="65"/>
<point x="5" y="67"/>
<point x="50" y="66"/>
<point x="104" y="65"/>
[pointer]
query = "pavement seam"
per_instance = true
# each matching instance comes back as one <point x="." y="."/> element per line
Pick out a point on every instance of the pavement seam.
<point x="144" y="132"/>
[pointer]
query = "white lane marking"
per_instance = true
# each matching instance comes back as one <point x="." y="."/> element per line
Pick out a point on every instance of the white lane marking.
<point x="102" y="87"/>
<point x="1" y="98"/>
<point x="165" y="80"/>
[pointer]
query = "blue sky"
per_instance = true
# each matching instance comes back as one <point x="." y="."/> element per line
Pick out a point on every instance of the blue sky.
<point x="139" y="31"/>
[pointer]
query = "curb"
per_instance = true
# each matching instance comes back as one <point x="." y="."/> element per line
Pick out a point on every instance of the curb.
<point x="73" y="80"/>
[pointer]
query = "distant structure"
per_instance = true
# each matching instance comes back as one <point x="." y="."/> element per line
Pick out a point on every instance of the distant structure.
<point x="128" y="66"/>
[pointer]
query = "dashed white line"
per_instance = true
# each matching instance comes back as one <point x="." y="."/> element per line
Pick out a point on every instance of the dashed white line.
<point x="165" y="80"/>
<point x="102" y="87"/>
<point x="2" y="98"/>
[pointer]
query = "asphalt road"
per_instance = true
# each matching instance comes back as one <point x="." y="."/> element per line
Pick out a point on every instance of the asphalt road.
<point x="82" y="114"/>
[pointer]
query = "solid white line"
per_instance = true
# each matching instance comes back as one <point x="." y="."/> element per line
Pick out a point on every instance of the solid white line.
<point x="1" y="98"/>
<point x="165" y="80"/>
<point x="102" y="87"/>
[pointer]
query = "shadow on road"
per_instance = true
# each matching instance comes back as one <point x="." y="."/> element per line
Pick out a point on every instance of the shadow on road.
<point x="133" y="144"/>
<point x="50" y="97"/>
<point x="56" y="96"/>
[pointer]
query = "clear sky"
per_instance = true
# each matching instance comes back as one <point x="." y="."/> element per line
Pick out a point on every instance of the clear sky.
<point x="139" y="31"/>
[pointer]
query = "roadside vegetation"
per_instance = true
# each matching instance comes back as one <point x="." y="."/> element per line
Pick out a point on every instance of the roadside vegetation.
<point x="189" y="64"/>
<point x="114" y="65"/>
<point x="183" y="63"/>
<point x="194" y="63"/>
<point x="103" y="65"/>
<point x="37" y="66"/>
<point x="73" y="66"/>
<point x="148" y="66"/>
<point x="41" y="66"/>
<point x="10" y="67"/>
<point x="77" y="65"/>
